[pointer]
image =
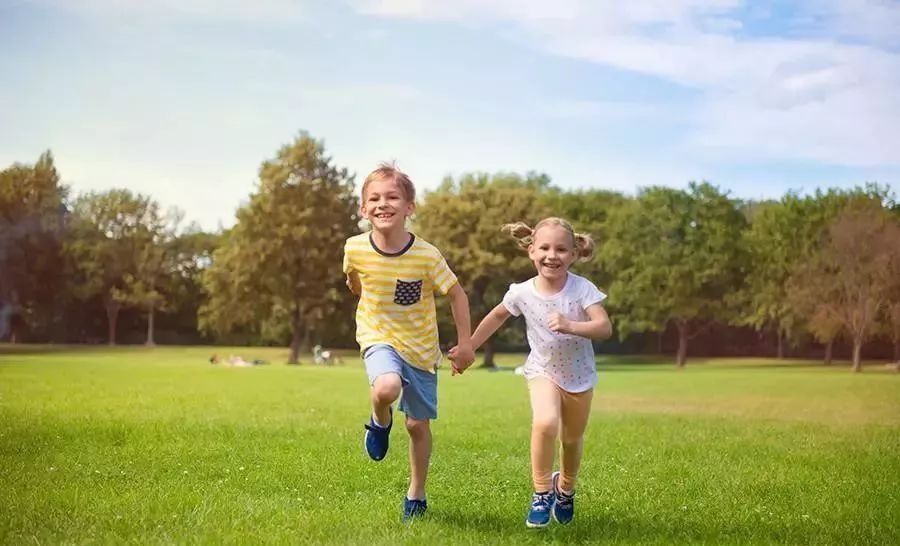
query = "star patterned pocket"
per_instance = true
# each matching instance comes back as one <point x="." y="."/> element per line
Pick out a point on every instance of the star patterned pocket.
<point x="407" y="292"/>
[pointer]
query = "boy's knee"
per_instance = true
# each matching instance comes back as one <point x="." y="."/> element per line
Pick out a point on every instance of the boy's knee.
<point x="387" y="387"/>
<point x="417" y="427"/>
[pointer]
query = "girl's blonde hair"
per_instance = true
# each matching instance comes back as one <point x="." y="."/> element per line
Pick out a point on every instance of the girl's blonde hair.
<point x="524" y="235"/>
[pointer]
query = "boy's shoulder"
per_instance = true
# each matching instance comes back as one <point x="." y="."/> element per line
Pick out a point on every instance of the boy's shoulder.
<point x="424" y="246"/>
<point x="361" y="238"/>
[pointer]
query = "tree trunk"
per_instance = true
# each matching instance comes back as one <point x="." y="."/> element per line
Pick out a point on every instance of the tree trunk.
<point x="780" y="345"/>
<point x="681" y="356"/>
<point x="828" y="348"/>
<point x="659" y="341"/>
<point x="488" y="355"/>
<point x="857" y="350"/>
<point x="897" y="350"/>
<point x="296" y="338"/>
<point x="151" y="314"/>
<point x="112" y="318"/>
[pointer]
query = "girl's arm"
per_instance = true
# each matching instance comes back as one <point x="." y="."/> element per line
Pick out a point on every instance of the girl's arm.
<point x="597" y="327"/>
<point x="459" y="305"/>
<point x="489" y="324"/>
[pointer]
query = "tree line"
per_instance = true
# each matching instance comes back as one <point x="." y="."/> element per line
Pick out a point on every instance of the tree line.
<point x="690" y="270"/>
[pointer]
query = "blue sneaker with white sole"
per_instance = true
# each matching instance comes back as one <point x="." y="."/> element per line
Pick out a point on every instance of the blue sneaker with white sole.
<point x="378" y="438"/>
<point x="539" y="513"/>
<point x="413" y="508"/>
<point x="564" y="507"/>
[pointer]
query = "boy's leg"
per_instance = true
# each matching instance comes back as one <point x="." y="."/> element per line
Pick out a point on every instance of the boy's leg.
<point x="384" y="392"/>
<point x="545" y="414"/>
<point x="419" y="403"/>
<point x="576" y="409"/>
<point x="384" y="369"/>
<point x="419" y="455"/>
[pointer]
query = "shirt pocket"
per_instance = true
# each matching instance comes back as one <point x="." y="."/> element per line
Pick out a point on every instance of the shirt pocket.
<point x="407" y="292"/>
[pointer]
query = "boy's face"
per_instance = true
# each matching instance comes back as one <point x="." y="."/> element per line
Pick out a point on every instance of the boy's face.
<point x="385" y="205"/>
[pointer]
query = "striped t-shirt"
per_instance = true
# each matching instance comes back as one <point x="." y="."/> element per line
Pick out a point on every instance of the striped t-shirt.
<point x="396" y="306"/>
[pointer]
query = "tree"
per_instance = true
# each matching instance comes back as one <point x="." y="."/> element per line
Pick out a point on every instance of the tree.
<point x="154" y="261"/>
<point x="851" y="276"/>
<point x="108" y="249"/>
<point x="675" y="256"/>
<point x="463" y="219"/>
<point x="32" y="227"/>
<point x="281" y="262"/>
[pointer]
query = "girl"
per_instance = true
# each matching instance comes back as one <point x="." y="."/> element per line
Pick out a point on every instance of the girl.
<point x="563" y="313"/>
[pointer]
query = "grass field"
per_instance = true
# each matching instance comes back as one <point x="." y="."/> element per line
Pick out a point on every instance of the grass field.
<point x="143" y="446"/>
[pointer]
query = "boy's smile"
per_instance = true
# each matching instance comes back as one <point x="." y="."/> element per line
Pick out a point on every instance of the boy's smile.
<point x="385" y="205"/>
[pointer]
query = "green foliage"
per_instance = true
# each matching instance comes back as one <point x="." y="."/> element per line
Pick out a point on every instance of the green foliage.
<point x="675" y="255"/>
<point x="32" y="226"/>
<point x="113" y="250"/>
<point x="280" y="265"/>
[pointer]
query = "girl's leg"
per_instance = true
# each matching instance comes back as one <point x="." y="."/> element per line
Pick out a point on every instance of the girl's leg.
<point x="575" y="410"/>
<point x="419" y="455"/>
<point x="545" y="414"/>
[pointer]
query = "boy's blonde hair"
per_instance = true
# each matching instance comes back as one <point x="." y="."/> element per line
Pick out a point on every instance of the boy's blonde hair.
<point x="390" y="171"/>
<point x="524" y="235"/>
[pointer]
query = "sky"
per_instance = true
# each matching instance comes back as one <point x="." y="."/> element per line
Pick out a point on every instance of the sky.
<point x="184" y="99"/>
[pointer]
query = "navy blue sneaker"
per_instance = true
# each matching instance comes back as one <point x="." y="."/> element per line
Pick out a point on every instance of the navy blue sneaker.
<point x="564" y="507"/>
<point x="413" y="508"/>
<point x="539" y="514"/>
<point x="378" y="438"/>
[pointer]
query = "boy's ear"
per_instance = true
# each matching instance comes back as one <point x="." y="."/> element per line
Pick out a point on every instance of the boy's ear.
<point x="411" y="209"/>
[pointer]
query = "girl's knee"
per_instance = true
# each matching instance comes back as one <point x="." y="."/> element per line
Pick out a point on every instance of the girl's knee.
<point x="546" y="426"/>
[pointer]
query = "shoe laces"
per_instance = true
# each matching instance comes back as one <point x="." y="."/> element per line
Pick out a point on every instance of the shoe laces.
<point x="541" y="501"/>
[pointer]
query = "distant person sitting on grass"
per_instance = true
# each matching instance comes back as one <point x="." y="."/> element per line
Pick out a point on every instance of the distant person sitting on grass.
<point x="395" y="274"/>
<point x="237" y="361"/>
<point x="563" y="313"/>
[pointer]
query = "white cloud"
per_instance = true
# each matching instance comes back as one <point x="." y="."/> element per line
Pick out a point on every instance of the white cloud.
<point x="256" y="11"/>
<point x="780" y="98"/>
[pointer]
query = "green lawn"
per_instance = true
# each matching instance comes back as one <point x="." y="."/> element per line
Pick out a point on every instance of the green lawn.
<point x="132" y="445"/>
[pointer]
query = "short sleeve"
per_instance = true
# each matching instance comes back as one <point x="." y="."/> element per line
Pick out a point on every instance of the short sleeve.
<point x="442" y="276"/>
<point x="512" y="301"/>
<point x="348" y="266"/>
<point x="590" y="295"/>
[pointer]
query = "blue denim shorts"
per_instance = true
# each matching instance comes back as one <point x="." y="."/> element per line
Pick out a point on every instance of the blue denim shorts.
<point x="419" y="398"/>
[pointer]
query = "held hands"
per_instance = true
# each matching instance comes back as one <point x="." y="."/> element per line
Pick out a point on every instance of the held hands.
<point x="558" y="323"/>
<point x="461" y="357"/>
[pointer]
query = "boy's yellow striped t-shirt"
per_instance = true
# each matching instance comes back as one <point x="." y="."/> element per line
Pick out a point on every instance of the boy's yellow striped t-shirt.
<point x="396" y="305"/>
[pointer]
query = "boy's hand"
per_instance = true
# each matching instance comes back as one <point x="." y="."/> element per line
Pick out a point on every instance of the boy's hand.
<point x="353" y="283"/>
<point x="558" y="323"/>
<point x="461" y="357"/>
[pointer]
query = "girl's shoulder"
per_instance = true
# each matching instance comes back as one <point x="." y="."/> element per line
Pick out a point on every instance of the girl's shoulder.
<point x="583" y="287"/>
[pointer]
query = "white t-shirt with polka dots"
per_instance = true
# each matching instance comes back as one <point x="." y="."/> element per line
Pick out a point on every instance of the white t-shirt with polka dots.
<point x="565" y="359"/>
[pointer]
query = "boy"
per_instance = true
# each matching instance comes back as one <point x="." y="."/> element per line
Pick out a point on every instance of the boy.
<point x="395" y="274"/>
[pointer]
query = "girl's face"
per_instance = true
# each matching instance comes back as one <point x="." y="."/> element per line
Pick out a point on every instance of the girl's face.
<point x="385" y="205"/>
<point x="552" y="251"/>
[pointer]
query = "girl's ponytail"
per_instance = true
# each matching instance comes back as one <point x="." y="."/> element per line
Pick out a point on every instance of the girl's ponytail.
<point x="521" y="232"/>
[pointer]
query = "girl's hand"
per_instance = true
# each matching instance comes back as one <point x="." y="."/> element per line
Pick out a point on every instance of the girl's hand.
<point x="461" y="357"/>
<point x="558" y="323"/>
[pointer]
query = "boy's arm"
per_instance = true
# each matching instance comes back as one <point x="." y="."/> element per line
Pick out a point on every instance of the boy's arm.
<point x="598" y="327"/>
<point x="353" y="283"/>
<point x="459" y="305"/>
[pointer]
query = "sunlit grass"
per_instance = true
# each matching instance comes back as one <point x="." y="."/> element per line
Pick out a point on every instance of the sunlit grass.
<point x="133" y="445"/>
